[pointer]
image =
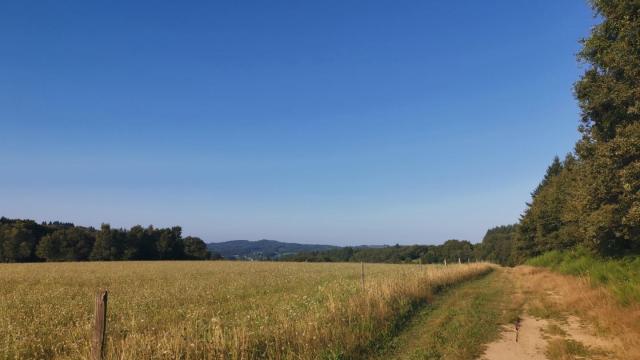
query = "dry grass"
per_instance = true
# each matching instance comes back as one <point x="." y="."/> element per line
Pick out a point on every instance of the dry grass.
<point x="567" y="349"/>
<point x="211" y="310"/>
<point x="554" y="296"/>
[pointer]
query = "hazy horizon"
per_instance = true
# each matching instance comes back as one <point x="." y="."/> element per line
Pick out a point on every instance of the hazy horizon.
<point x="326" y="123"/>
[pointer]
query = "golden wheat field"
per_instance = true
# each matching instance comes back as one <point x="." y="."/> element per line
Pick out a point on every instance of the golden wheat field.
<point x="211" y="310"/>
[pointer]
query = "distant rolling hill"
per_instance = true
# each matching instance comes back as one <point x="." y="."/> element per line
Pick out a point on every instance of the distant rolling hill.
<point x="262" y="249"/>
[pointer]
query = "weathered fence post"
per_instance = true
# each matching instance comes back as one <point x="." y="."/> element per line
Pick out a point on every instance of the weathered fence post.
<point x="459" y="262"/>
<point x="100" y="327"/>
<point x="445" y="262"/>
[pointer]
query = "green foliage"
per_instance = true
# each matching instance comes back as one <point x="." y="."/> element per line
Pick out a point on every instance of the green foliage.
<point x="621" y="276"/>
<point x="71" y="244"/>
<point x="109" y="244"/>
<point x="592" y="199"/>
<point x="607" y="197"/>
<point x="497" y="245"/>
<point x="17" y="240"/>
<point x="25" y="240"/>
<point x="169" y="244"/>
<point x="552" y="171"/>
<point x="195" y="248"/>
<point x="609" y="91"/>
<point x="262" y="249"/>
<point x="451" y="250"/>
<point x="546" y="223"/>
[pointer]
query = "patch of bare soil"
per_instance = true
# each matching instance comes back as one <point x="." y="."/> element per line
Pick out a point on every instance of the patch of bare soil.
<point x="549" y="327"/>
<point x="583" y="333"/>
<point x="530" y="345"/>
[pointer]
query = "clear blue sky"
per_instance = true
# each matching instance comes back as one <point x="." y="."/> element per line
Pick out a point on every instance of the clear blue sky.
<point x="338" y="122"/>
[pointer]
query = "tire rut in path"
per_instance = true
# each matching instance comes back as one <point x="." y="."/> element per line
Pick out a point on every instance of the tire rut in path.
<point x="457" y="323"/>
<point x="476" y="320"/>
<point x="551" y="333"/>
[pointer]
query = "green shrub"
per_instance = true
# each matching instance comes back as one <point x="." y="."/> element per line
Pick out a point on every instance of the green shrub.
<point x="621" y="276"/>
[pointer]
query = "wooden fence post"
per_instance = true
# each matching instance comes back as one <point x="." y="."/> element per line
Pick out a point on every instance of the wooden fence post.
<point x="445" y="262"/>
<point x="100" y="327"/>
<point x="362" y="274"/>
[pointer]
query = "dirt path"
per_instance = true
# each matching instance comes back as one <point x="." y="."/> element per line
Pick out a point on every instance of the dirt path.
<point x="476" y="320"/>
<point x="545" y="330"/>
<point x="530" y="345"/>
<point x="457" y="324"/>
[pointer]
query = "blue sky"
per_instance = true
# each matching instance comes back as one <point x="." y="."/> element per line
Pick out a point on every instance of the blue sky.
<point x="338" y="122"/>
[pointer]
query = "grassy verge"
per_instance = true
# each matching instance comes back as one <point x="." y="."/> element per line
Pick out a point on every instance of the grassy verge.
<point x="387" y="307"/>
<point x="557" y="298"/>
<point x="458" y="322"/>
<point x="620" y="276"/>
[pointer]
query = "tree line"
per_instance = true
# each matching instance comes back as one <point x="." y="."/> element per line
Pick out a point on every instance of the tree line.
<point x="451" y="250"/>
<point x="496" y="247"/>
<point x="591" y="198"/>
<point x="28" y="241"/>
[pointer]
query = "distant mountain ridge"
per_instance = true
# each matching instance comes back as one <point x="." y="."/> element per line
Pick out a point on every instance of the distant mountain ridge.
<point x="262" y="249"/>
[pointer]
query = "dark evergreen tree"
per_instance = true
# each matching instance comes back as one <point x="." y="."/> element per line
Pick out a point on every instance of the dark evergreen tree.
<point x="552" y="171"/>
<point x="497" y="245"/>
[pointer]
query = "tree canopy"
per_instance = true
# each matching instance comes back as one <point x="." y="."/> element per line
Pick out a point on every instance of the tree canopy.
<point x="26" y="240"/>
<point x="451" y="250"/>
<point x="591" y="199"/>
